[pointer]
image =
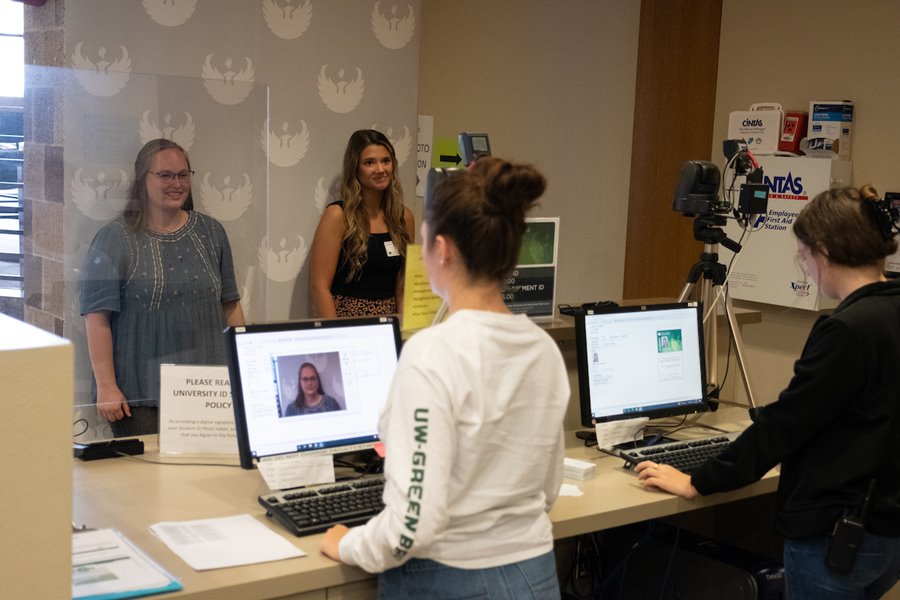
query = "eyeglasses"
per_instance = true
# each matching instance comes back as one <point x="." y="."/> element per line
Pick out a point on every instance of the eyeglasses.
<point x="169" y="176"/>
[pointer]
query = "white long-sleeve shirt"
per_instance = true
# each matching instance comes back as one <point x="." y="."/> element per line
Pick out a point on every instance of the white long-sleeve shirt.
<point x="473" y="430"/>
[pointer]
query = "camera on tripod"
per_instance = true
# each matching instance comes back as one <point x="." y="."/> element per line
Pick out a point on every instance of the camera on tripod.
<point x="697" y="193"/>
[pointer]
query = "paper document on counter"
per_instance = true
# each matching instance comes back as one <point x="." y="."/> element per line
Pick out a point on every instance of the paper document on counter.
<point x="106" y="565"/>
<point x="225" y="542"/>
<point x="618" y="432"/>
<point x="287" y="471"/>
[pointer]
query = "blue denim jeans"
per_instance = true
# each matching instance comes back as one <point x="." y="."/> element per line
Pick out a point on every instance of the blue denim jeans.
<point x="419" y="578"/>
<point x="875" y="570"/>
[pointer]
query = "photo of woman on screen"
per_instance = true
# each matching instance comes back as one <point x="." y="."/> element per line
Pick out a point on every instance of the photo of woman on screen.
<point x="311" y="397"/>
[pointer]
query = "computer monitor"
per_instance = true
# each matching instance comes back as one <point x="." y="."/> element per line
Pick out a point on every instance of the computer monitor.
<point x="640" y="361"/>
<point x="354" y="361"/>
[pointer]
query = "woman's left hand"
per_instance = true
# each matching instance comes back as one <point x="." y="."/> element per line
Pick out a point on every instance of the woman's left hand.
<point x="331" y="541"/>
<point x="666" y="478"/>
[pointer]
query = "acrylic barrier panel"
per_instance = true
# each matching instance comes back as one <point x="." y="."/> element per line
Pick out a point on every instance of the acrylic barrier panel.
<point x="161" y="284"/>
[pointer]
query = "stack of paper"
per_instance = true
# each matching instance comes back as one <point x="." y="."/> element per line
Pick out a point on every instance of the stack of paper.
<point x="578" y="469"/>
<point x="107" y="565"/>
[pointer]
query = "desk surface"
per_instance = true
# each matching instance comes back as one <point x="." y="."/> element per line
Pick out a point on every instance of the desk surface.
<point x="131" y="495"/>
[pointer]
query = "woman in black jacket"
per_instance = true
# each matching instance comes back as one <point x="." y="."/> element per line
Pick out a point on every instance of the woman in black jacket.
<point x="836" y="428"/>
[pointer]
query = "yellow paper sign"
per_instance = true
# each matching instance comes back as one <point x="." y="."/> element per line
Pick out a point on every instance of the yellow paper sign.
<point x="420" y="304"/>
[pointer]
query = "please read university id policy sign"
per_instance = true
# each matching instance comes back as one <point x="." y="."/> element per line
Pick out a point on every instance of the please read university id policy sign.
<point x="195" y="412"/>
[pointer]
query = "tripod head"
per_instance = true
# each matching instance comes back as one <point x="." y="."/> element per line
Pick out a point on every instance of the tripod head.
<point x="708" y="229"/>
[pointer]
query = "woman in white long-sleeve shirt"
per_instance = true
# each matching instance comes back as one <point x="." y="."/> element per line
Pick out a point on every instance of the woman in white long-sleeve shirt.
<point x="473" y="426"/>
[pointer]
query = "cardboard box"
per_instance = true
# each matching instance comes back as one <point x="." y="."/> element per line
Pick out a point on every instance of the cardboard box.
<point x="829" y="129"/>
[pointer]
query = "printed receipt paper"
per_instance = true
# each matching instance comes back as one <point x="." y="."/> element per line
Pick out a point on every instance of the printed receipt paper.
<point x="618" y="432"/>
<point x="294" y="470"/>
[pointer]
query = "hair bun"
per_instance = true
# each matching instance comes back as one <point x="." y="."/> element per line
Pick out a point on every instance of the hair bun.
<point x="868" y="193"/>
<point x="509" y="188"/>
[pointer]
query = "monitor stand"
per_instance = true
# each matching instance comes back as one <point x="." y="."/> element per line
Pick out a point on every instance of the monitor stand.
<point x="361" y="461"/>
<point x="590" y="437"/>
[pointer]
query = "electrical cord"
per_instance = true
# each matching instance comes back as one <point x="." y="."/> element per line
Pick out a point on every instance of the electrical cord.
<point x="722" y="288"/>
<point x="174" y="464"/>
<point x="665" y="581"/>
<point x="84" y="422"/>
<point x="621" y="567"/>
<point x="581" y="578"/>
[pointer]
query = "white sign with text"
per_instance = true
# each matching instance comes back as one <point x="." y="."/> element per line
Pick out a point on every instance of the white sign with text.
<point x="195" y="412"/>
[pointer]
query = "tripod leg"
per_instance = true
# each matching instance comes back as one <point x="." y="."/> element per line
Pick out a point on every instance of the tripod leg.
<point x="739" y="350"/>
<point x="686" y="291"/>
<point x="710" y="332"/>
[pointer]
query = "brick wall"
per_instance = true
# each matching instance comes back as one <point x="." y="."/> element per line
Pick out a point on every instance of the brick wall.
<point x="43" y="173"/>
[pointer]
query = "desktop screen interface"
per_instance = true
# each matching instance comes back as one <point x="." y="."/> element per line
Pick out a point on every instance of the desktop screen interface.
<point x="645" y="361"/>
<point x="353" y="366"/>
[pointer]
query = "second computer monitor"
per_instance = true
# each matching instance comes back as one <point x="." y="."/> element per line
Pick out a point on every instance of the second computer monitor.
<point x="641" y="361"/>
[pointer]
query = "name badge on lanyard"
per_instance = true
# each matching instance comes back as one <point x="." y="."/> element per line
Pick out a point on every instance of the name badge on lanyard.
<point x="390" y="249"/>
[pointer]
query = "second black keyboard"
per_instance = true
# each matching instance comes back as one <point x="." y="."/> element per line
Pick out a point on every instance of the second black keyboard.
<point x="684" y="455"/>
<point x="307" y="511"/>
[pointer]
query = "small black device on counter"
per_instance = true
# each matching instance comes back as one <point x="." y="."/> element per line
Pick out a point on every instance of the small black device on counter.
<point x="108" y="449"/>
<point x="575" y="310"/>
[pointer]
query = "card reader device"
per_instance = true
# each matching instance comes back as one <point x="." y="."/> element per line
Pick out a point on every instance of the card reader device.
<point x="108" y="449"/>
<point x="473" y="146"/>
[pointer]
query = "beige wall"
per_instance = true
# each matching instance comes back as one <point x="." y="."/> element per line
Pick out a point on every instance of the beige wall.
<point x="553" y="85"/>
<point x="784" y="52"/>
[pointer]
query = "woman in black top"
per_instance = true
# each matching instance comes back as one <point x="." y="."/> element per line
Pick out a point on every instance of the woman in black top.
<point x="836" y="428"/>
<point x="360" y="243"/>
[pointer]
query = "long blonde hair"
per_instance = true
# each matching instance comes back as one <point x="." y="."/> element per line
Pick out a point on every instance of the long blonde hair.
<point x="356" y="220"/>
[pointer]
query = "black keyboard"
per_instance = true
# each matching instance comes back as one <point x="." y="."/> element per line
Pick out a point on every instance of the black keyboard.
<point x="684" y="455"/>
<point x="307" y="511"/>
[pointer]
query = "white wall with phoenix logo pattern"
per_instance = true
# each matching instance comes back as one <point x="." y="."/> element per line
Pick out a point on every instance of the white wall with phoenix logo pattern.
<point x="263" y="94"/>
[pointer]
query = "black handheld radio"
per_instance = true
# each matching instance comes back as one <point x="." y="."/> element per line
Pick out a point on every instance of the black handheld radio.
<point x="846" y="537"/>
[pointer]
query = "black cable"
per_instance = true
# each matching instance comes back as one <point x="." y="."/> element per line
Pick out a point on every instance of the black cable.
<point x="571" y="580"/>
<point x="86" y="426"/>
<point x="623" y="563"/>
<point x="665" y="580"/>
<point x="180" y="464"/>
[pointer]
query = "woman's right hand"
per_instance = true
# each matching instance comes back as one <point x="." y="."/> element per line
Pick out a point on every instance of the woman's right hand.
<point x="112" y="404"/>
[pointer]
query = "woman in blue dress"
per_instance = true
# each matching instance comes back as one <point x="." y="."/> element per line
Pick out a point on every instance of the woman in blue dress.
<point x="157" y="286"/>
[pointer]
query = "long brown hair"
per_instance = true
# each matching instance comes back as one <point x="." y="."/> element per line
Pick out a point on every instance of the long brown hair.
<point x="135" y="212"/>
<point x="356" y="220"/>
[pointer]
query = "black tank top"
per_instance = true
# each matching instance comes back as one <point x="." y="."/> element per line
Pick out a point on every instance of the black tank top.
<point x="378" y="278"/>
